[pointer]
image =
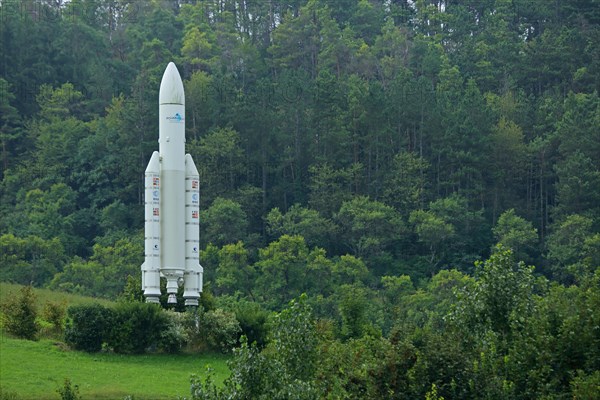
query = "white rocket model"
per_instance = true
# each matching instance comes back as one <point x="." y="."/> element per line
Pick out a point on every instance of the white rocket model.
<point x="172" y="203"/>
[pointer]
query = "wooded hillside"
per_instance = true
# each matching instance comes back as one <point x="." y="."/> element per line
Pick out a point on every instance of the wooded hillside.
<point x="411" y="135"/>
<point x="350" y="150"/>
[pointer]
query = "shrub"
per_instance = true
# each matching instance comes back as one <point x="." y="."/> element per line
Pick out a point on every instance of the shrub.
<point x="54" y="313"/>
<point x="68" y="391"/>
<point x="136" y="327"/>
<point x="174" y="337"/>
<point x="212" y="330"/>
<point x="585" y="387"/>
<point x="219" y="329"/>
<point x="87" y="326"/>
<point x="20" y="314"/>
<point x="285" y="369"/>
<point x="253" y="322"/>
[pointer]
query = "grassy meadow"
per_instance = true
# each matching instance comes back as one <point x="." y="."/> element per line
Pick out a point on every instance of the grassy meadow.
<point x="37" y="369"/>
<point x="44" y="296"/>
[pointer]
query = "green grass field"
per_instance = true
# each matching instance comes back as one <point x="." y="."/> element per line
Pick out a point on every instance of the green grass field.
<point x="35" y="370"/>
<point x="45" y="295"/>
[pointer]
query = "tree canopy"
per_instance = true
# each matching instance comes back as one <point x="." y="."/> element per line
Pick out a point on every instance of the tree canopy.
<point x="370" y="154"/>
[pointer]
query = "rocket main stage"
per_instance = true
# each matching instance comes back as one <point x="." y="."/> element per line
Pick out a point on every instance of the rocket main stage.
<point x="172" y="203"/>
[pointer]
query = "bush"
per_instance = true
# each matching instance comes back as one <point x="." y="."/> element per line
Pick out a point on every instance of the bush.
<point x="285" y="369"/>
<point x="87" y="326"/>
<point x="585" y="387"/>
<point x="174" y="337"/>
<point x="253" y="322"/>
<point x="219" y="329"/>
<point x="213" y="330"/>
<point x="54" y="313"/>
<point x="20" y="314"/>
<point x="68" y="391"/>
<point x="136" y="327"/>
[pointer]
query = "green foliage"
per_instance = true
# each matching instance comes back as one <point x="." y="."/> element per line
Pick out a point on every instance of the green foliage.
<point x="29" y="260"/>
<point x="135" y="327"/>
<point x="367" y="367"/>
<point x="298" y="220"/>
<point x="283" y="370"/>
<point x="20" y="314"/>
<point x="223" y="164"/>
<point x="302" y="107"/>
<point x="10" y="124"/>
<point x="368" y="227"/>
<point x="224" y="222"/>
<point x="434" y="232"/>
<point x="253" y="323"/>
<point x="69" y="391"/>
<point x="293" y="338"/>
<point x="433" y="394"/>
<point x="204" y="388"/>
<point x="54" y="313"/>
<point x="397" y="287"/>
<point x="441" y="359"/>
<point x="218" y="330"/>
<point x="577" y="169"/>
<point x="133" y="290"/>
<point x="508" y="152"/>
<point x="517" y="234"/>
<point x="331" y="187"/>
<point x="349" y="270"/>
<point x="105" y="273"/>
<point x="405" y="184"/>
<point x="572" y="249"/>
<point x="174" y="337"/>
<point x="501" y="298"/>
<point x="282" y="268"/>
<point x="234" y="272"/>
<point x="88" y="326"/>
<point x="354" y="311"/>
<point x="451" y="232"/>
<point x="323" y="128"/>
<point x="586" y="387"/>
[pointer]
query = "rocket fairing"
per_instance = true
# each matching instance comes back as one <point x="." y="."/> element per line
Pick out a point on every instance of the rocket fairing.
<point x="171" y="203"/>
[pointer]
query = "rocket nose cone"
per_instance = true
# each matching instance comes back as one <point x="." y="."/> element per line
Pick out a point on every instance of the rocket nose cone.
<point x="171" y="87"/>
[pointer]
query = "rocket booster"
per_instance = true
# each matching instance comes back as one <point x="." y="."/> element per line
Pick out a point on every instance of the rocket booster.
<point x="172" y="194"/>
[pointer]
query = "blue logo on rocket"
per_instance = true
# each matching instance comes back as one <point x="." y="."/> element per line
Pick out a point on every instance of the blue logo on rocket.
<point x="177" y="118"/>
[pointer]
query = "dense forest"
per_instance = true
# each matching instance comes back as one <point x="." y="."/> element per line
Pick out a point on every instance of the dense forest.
<point x="401" y="162"/>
